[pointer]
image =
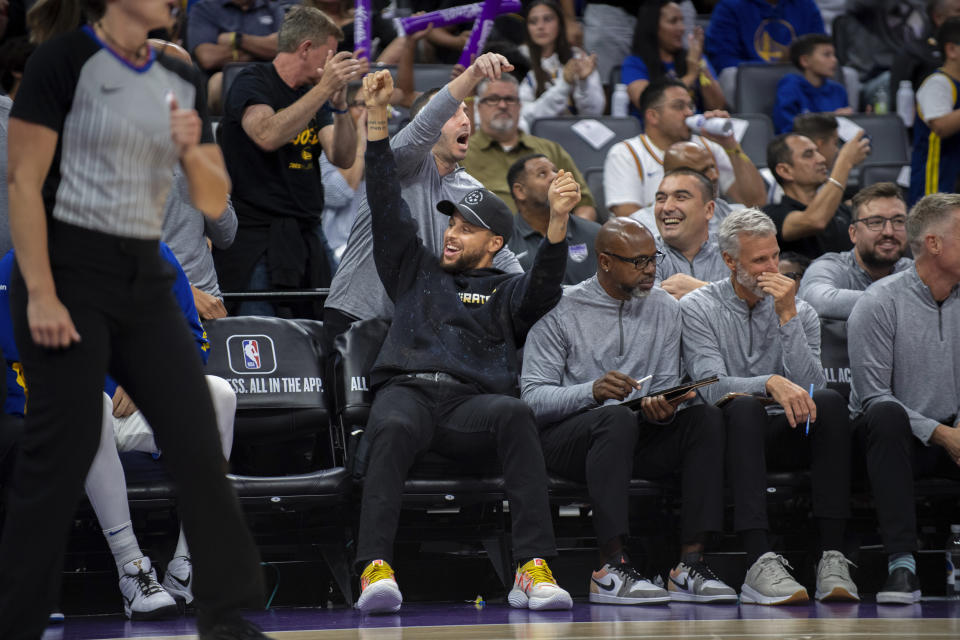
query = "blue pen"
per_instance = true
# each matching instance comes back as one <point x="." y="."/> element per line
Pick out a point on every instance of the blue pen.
<point x="807" y="432"/>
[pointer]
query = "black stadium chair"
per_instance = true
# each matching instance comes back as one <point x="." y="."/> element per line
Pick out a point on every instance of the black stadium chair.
<point x="874" y="173"/>
<point x="889" y="142"/>
<point x="758" y="136"/>
<point x="583" y="153"/>
<point x="594" y="178"/>
<point x="756" y="89"/>
<point x="429" y="76"/>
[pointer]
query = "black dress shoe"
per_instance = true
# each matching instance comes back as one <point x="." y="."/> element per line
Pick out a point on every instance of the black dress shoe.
<point x="902" y="587"/>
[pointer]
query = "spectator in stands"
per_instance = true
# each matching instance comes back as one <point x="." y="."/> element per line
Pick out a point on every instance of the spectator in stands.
<point x="936" y="146"/>
<point x="684" y="208"/>
<point x="634" y="168"/>
<point x="124" y="428"/>
<point x="387" y="47"/>
<point x="575" y="359"/>
<point x="530" y="178"/>
<point x="499" y="143"/>
<point x="793" y="265"/>
<point x="608" y="28"/>
<point x="811" y="90"/>
<point x="224" y="31"/>
<point x="835" y="281"/>
<point x="752" y="332"/>
<point x="919" y="61"/>
<point x="822" y="128"/>
<point x="13" y="59"/>
<point x="99" y="298"/>
<point x="690" y="155"/>
<point x="449" y="365"/>
<point x="563" y="80"/>
<point x="811" y="217"/>
<point x="186" y="230"/>
<point x="659" y="51"/>
<point x="904" y="336"/>
<point x="756" y="31"/>
<point x="429" y="150"/>
<point x="342" y="187"/>
<point x="277" y="120"/>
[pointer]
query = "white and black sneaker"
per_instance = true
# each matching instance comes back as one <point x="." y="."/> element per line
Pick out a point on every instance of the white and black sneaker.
<point x="697" y="582"/>
<point x="143" y="597"/>
<point x="623" y="584"/>
<point x="178" y="579"/>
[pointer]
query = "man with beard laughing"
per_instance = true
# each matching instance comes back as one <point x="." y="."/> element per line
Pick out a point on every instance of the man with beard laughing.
<point x="835" y="281"/>
<point x="588" y="353"/>
<point x="752" y="332"/>
<point x="446" y="376"/>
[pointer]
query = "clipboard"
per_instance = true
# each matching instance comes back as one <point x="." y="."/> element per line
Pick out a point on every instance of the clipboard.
<point x="672" y="393"/>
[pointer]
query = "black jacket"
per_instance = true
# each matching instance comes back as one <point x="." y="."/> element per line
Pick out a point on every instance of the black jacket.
<point x="469" y="325"/>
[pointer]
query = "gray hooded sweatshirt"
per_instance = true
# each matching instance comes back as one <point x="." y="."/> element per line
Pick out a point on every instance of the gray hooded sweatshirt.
<point x="356" y="288"/>
<point x="835" y="281"/>
<point x="744" y="347"/>
<point x="904" y="348"/>
<point x="588" y="334"/>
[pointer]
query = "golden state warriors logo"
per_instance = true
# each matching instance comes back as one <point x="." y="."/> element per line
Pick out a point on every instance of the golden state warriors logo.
<point x="772" y="40"/>
<point x="473" y="198"/>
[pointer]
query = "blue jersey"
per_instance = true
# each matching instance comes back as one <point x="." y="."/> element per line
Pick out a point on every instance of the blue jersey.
<point x="935" y="165"/>
<point x="16" y="385"/>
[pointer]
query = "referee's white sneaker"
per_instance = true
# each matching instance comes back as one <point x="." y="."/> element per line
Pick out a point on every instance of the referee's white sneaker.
<point x="143" y="597"/>
<point x="769" y="582"/>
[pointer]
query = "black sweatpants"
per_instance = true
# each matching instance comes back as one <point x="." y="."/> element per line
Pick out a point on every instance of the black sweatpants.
<point x="757" y="442"/>
<point x="895" y="457"/>
<point x="118" y="293"/>
<point x="410" y="416"/>
<point x="608" y="446"/>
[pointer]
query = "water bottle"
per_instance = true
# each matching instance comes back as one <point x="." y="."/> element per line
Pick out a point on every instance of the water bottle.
<point x="881" y="101"/>
<point x="619" y="101"/>
<point x="714" y="126"/>
<point x="953" y="563"/>
<point x="906" y="107"/>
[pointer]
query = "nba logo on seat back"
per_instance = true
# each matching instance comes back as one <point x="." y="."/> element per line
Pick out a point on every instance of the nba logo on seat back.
<point x="251" y="354"/>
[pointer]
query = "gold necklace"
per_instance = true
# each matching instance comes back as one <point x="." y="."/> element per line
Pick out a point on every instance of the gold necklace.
<point x="135" y="55"/>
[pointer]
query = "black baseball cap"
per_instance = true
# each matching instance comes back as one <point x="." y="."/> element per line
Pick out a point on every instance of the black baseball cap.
<point x="484" y="209"/>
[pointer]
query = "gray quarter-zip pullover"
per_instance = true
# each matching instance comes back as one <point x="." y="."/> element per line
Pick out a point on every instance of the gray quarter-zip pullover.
<point x="835" y="281"/>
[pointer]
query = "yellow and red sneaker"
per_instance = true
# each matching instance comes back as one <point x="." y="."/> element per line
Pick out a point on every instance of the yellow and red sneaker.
<point x="534" y="587"/>
<point x="379" y="592"/>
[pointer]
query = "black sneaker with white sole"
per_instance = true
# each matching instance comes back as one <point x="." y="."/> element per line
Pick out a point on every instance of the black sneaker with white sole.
<point x="902" y="587"/>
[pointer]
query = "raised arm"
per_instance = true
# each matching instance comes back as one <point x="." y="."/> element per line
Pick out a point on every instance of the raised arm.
<point x="397" y="250"/>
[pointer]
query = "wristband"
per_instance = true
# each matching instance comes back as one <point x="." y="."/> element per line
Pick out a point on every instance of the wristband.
<point x="329" y="107"/>
<point x="737" y="151"/>
<point x="836" y="183"/>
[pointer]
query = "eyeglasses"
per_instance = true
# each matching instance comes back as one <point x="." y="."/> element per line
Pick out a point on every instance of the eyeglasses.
<point x="640" y="262"/>
<point x="680" y="105"/>
<point x="877" y="223"/>
<point x="796" y="276"/>
<point x="490" y="101"/>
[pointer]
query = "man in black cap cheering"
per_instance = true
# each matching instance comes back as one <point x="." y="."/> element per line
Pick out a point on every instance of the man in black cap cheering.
<point x="446" y="377"/>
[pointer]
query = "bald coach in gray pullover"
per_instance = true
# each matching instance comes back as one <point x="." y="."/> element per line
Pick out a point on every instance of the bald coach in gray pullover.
<point x="904" y="339"/>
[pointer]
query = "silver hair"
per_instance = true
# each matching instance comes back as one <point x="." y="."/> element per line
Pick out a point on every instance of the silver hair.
<point x="931" y="211"/>
<point x="509" y="78"/>
<point x="306" y="23"/>
<point x="750" y="221"/>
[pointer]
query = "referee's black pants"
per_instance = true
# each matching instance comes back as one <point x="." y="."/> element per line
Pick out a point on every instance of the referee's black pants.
<point x="411" y="416"/>
<point x="757" y="441"/>
<point x="606" y="447"/>
<point x="895" y="458"/>
<point x="118" y="293"/>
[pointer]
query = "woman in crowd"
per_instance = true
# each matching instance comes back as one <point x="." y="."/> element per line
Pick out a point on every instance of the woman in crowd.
<point x="658" y="50"/>
<point x="563" y="80"/>
<point x="98" y="124"/>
